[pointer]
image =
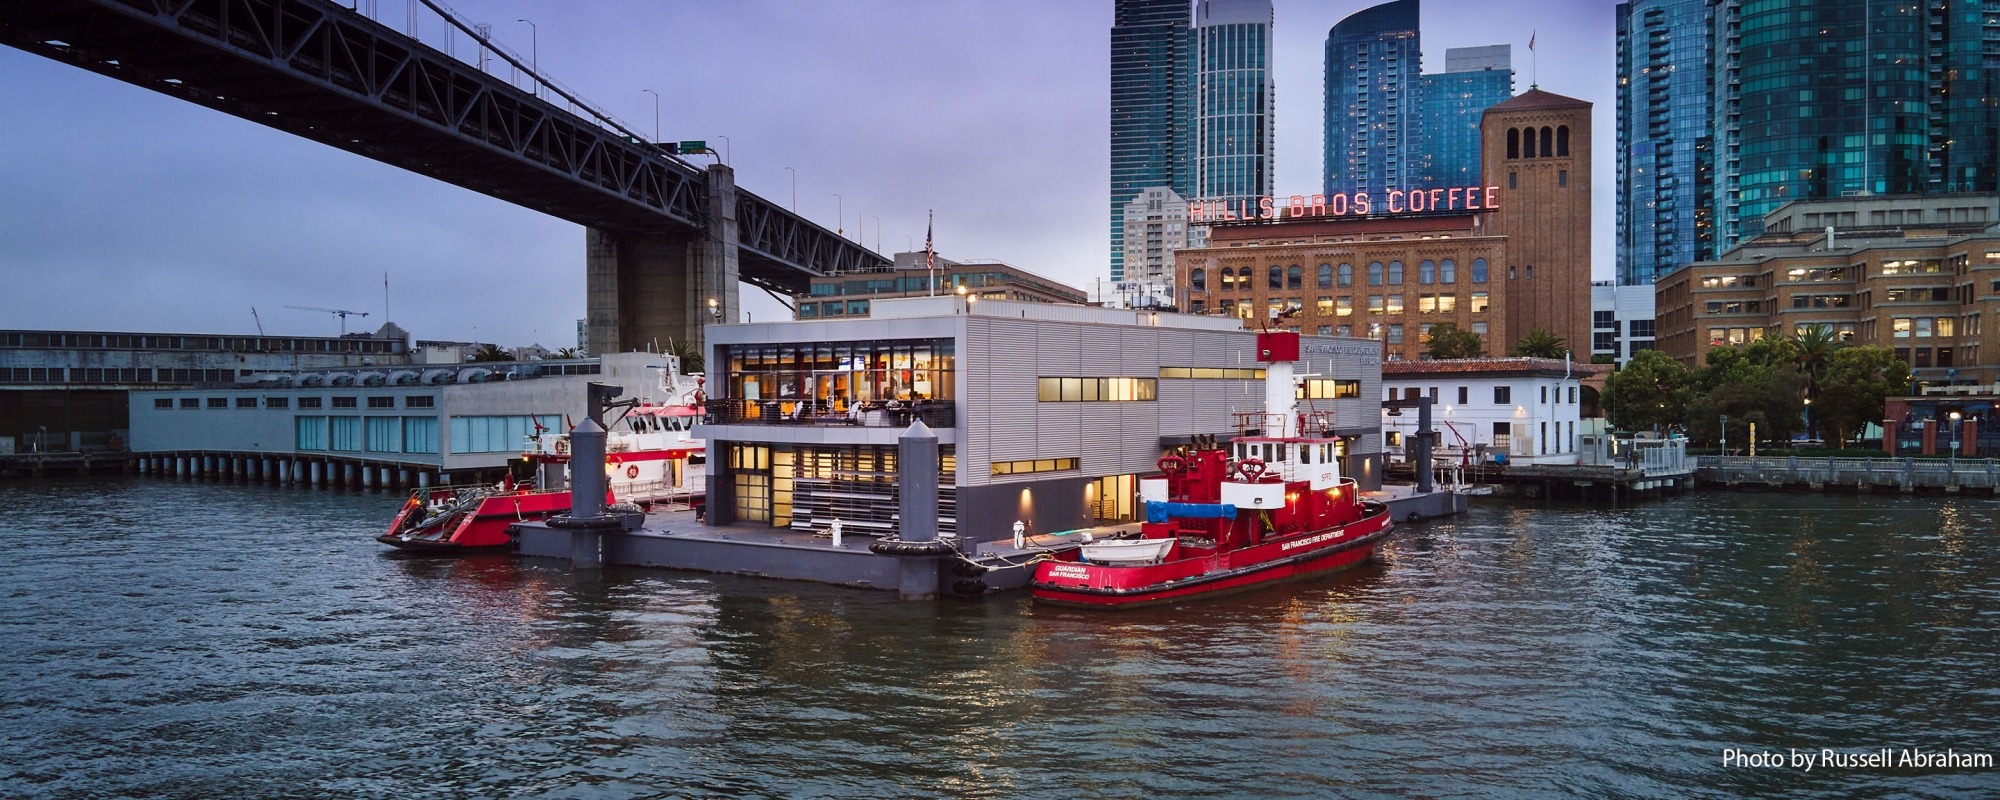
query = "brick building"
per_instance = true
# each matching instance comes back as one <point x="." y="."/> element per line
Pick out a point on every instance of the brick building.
<point x="1498" y="259"/>
<point x="1912" y="273"/>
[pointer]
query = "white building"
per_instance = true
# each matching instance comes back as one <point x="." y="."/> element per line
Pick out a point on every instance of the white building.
<point x="1621" y="320"/>
<point x="1525" y="408"/>
<point x="1155" y="226"/>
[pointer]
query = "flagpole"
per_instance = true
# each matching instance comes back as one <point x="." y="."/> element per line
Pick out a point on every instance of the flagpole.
<point x="1534" y="63"/>
<point x="930" y="257"/>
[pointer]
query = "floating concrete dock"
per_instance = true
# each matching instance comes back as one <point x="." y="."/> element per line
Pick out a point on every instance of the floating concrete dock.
<point x="677" y="539"/>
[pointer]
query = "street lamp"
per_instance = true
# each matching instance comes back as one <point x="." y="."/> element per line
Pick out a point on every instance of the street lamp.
<point x="1955" y="417"/>
<point x="839" y="214"/>
<point x="1809" y="435"/>
<point x="534" y="54"/>
<point x="878" y="233"/>
<point x="795" y="189"/>
<point x="726" y="146"/>
<point x="656" y="114"/>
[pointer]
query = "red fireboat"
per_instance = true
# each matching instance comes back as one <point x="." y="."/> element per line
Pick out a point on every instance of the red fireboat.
<point x="1271" y="507"/>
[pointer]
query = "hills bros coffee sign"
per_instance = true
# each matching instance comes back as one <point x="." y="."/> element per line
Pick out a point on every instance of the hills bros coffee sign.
<point x="1349" y="204"/>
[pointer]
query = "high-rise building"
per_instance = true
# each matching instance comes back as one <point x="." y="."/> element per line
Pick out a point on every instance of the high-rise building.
<point x="1665" y="147"/>
<point x="1474" y="79"/>
<point x="1374" y="60"/>
<point x="1155" y="227"/>
<point x="1832" y="100"/>
<point x="1150" y="96"/>
<point x="1234" y="119"/>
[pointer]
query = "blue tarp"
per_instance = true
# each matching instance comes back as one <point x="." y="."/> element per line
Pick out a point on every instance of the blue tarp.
<point x="1157" y="511"/>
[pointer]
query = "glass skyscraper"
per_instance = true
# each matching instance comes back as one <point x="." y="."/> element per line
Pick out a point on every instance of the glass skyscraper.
<point x="1234" y="104"/>
<point x="1664" y="143"/>
<point x="1731" y="108"/>
<point x="1474" y="79"/>
<point x="1150" y="102"/>
<point x="1373" y="65"/>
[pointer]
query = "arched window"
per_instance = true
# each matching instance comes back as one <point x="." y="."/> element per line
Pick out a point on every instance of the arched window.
<point x="1198" y="279"/>
<point x="1548" y="138"/>
<point x="1395" y="273"/>
<point x="1228" y="279"/>
<point x="1427" y="272"/>
<point x="1374" y="273"/>
<point x="1346" y="274"/>
<point x="1277" y="277"/>
<point x="1326" y="276"/>
<point x="1513" y="142"/>
<point x="1528" y="143"/>
<point x="1448" y="271"/>
<point x="1294" y="277"/>
<point x="1479" y="270"/>
<point x="1562" y="140"/>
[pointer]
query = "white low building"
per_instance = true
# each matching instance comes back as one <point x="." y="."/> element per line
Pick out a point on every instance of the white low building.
<point x="1516" y="410"/>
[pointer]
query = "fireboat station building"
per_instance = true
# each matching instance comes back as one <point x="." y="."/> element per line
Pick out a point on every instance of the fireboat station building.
<point x="1044" y="413"/>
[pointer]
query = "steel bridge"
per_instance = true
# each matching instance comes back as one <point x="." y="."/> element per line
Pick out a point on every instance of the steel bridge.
<point x="665" y="237"/>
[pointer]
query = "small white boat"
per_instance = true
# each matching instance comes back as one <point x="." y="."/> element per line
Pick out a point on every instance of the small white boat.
<point x="1126" y="551"/>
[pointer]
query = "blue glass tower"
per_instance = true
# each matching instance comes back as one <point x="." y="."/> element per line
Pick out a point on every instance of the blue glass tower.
<point x="1664" y="144"/>
<point x="1475" y="79"/>
<point x="1150" y="96"/>
<point x="1233" y="114"/>
<point x="1728" y="109"/>
<point x="1373" y="64"/>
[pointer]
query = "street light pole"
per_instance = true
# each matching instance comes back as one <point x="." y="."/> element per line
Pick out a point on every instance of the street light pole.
<point x="726" y="147"/>
<point x="795" y="189"/>
<point x="839" y="215"/>
<point x="534" y="54"/>
<point x="1955" y="417"/>
<point x="878" y="234"/>
<point x="656" y="114"/>
<point x="1809" y="435"/>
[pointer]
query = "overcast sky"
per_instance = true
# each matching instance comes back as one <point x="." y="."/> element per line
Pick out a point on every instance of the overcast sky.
<point x="122" y="209"/>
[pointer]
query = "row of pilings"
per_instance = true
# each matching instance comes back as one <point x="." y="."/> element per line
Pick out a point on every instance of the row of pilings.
<point x="305" y="471"/>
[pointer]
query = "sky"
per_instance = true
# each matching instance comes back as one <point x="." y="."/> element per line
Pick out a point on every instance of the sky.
<point x="125" y="210"/>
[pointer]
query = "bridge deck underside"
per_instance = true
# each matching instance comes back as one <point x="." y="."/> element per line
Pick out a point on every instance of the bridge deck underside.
<point x="322" y="72"/>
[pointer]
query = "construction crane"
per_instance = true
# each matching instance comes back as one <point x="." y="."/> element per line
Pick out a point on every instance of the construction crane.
<point x="259" y="320"/>
<point x="339" y="312"/>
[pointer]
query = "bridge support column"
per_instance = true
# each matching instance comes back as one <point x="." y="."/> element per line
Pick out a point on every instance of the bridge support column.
<point x="644" y="290"/>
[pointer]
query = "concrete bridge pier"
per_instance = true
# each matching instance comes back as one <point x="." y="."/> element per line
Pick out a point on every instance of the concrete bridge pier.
<point x="643" y="290"/>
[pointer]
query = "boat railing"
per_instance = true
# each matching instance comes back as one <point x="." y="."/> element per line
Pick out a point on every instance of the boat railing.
<point x="865" y="414"/>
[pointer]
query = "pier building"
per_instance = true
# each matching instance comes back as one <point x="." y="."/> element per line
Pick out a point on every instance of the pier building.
<point x="1043" y="413"/>
<point x="393" y="426"/>
<point x="67" y="390"/>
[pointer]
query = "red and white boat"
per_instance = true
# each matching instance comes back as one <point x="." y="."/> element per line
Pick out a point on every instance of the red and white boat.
<point x="1271" y="507"/>
<point x="650" y="458"/>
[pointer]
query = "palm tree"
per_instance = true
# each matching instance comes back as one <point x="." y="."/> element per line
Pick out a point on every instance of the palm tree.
<point x="491" y="352"/>
<point x="1540" y="343"/>
<point x="1816" y="345"/>
<point x="567" y="352"/>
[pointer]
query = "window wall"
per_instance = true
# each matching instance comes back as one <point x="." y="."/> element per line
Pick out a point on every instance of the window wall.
<point x="841" y="373"/>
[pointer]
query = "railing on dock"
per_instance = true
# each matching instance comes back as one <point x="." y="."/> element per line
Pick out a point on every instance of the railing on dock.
<point x="1901" y="473"/>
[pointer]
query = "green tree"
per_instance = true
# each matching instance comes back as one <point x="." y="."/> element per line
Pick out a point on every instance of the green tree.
<point x="1539" y="343"/>
<point x="567" y="352"/>
<point x="1757" y="383"/>
<point x="1857" y="379"/>
<point x="1649" y="392"/>
<point x="1448" y="341"/>
<point x="1816" y="345"/>
<point x="689" y="353"/>
<point x="491" y="352"/>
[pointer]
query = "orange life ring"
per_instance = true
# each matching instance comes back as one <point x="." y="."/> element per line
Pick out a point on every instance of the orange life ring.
<point x="632" y="471"/>
<point x="562" y="446"/>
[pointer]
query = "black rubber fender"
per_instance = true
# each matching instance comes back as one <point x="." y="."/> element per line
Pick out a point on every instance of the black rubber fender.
<point x="967" y="569"/>
<point x="968" y="587"/>
<point x="897" y="547"/>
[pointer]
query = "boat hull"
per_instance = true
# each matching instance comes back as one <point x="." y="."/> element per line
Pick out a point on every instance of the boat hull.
<point x="1104" y="586"/>
<point x="481" y="528"/>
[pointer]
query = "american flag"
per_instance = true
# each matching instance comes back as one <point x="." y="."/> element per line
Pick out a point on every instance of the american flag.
<point x="930" y="256"/>
<point x="1531" y="40"/>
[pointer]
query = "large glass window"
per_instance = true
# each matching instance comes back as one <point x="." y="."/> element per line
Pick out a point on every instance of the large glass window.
<point x="837" y="374"/>
<point x="1346" y="273"/>
<point x="310" y="433"/>
<point x="385" y="434"/>
<point x="497" y="434"/>
<point x="1374" y="273"/>
<point x="1479" y="270"/>
<point x="420" y="434"/>
<point x="345" y="434"/>
<point x="1427" y="272"/>
<point x="1326" y="276"/>
<point x="1395" y="273"/>
<point x="1097" y="390"/>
